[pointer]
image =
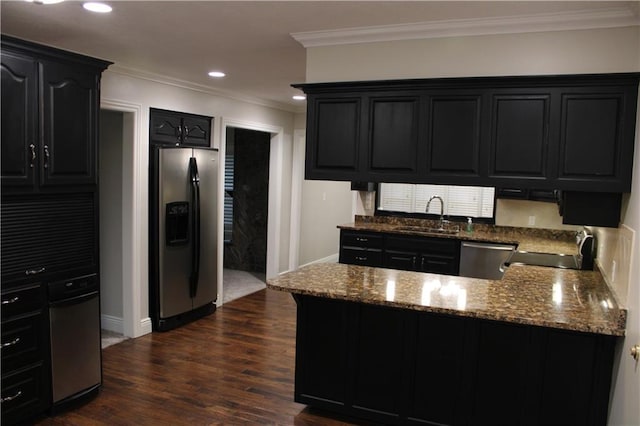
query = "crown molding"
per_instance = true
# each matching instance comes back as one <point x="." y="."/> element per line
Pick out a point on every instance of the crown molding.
<point x="580" y="20"/>
<point x="183" y="84"/>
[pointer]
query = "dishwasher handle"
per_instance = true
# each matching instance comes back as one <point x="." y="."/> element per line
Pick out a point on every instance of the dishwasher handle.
<point x="489" y="246"/>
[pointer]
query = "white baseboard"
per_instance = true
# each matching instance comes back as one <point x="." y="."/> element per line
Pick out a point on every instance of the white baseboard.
<point x="329" y="259"/>
<point x="111" y="323"/>
<point x="145" y="326"/>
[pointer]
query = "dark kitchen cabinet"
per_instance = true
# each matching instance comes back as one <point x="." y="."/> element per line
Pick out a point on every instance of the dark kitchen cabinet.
<point x="566" y="132"/>
<point x="519" y="138"/>
<point x="50" y="110"/>
<point x="179" y="129"/>
<point x="399" y="366"/>
<point x="333" y="135"/>
<point x="25" y="382"/>
<point x="49" y="208"/>
<point x="361" y="248"/>
<point x="394" y="135"/>
<point x="422" y="254"/>
<point x="454" y="130"/>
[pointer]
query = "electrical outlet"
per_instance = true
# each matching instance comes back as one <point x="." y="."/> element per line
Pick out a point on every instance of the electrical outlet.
<point x="532" y="220"/>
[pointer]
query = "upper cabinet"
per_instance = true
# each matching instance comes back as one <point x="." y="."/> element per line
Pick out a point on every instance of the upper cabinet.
<point x="179" y="129"/>
<point x="49" y="117"/>
<point x="572" y="132"/>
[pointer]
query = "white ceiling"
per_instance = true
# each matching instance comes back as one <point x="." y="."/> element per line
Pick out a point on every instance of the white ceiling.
<point x="251" y="41"/>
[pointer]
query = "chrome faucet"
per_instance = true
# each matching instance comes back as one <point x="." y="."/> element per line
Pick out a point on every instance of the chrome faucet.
<point x="441" y="208"/>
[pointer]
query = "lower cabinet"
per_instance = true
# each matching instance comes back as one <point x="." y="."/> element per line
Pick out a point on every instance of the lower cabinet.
<point x="398" y="366"/>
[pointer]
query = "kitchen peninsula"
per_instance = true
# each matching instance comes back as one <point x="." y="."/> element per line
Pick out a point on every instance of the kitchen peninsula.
<point x="404" y="347"/>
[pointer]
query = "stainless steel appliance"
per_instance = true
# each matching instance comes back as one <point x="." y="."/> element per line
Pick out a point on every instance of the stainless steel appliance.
<point x="74" y="318"/>
<point x="586" y="246"/>
<point x="484" y="260"/>
<point x="183" y="236"/>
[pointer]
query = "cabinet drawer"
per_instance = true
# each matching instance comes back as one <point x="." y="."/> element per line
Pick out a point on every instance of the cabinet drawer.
<point x="440" y="265"/>
<point x="22" y="300"/>
<point x="22" y="341"/>
<point x="361" y="257"/>
<point x="355" y="239"/>
<point x="23" y="394"/>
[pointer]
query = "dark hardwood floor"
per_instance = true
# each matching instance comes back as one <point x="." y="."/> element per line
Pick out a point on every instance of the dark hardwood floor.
<point x="235" y="366"/>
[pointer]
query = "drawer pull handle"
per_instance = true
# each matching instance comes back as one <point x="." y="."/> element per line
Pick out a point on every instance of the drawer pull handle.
<point x="362" y="240"/>
<point x="11" y="398"/>
<point x="10" y="301"/>
<point x="34" y="271"/>
<point x="361" y="258"/>
<point x="11" y="343"/>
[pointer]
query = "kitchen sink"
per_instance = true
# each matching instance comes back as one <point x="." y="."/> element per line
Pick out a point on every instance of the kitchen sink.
<point x="444" y="230"/>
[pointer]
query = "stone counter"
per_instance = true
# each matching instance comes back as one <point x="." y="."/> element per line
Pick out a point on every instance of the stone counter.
<point x="549" y="297"/>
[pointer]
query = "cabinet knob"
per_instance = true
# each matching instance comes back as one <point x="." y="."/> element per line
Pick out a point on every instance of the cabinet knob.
<point x="635" y="352"/>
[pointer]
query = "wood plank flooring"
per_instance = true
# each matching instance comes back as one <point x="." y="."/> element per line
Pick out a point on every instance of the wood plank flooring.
<point x="233" y="367"/>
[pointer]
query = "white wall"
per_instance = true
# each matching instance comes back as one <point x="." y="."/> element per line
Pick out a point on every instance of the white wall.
<point x="556" y="52"/>
<point x="139" y="94"/>
<point x="110" y="173"/>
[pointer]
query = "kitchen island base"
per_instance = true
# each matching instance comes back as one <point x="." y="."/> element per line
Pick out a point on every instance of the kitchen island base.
<point x="403" y="366"/>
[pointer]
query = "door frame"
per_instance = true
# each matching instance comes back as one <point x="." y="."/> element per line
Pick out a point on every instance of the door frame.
<point x="276" y="163"/>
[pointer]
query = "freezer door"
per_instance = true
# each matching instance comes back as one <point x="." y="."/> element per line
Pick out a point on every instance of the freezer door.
<point x="207" y="288"/>
<point x="174" y="236"/>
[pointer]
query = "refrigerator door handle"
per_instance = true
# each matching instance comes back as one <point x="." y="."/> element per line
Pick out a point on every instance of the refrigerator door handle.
<point x="195" y="228"/>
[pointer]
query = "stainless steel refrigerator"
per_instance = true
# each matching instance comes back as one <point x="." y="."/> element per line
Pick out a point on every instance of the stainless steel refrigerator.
<point x="182" y="234"/>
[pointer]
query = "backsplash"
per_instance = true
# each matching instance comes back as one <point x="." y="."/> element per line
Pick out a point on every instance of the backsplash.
<point x="613" y="257"/>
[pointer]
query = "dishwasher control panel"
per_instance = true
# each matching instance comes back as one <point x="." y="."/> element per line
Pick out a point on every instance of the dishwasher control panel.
<point x="76" y="286"/>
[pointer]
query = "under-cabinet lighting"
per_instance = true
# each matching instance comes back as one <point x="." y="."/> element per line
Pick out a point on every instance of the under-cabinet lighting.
<point x="299" y="97"/>
<point x="216" y="74"/>
<point x="44" y="1"/>
<point x="97" y="7"/>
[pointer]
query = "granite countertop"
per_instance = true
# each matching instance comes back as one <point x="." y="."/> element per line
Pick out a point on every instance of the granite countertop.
<point x="527" y="239"/>
<point x="532" y="295"/>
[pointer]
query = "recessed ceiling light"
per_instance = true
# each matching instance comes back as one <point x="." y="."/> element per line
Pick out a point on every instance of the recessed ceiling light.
<point x="97" y="7"/>
<point x="44" y="1"/>
<point x="217" y="74"/>
<point x="299" y="97"/>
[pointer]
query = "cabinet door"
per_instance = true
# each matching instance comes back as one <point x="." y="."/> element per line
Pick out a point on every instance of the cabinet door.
<point x="393" y="135"/>
<point x="379" y="361"/>
<point x="321" y="352"/>
<point x="19" y="121"/>
<point x="454" y="135"/>
<point x="196" y="131"/>
<point x="594" y="150"/>
<point x="519" y="136"/>
<point x="165" y="127"/>
<point x="405" y="260"/>
<point x="333" y="138"/>
<point x="448" y="265"/>
<point x="70" y="105"/>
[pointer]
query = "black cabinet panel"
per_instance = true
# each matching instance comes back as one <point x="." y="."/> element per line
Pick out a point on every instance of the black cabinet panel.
<point x="380" y="331"/>
<point x="337" y="135"/>
<point x="179" y="128"/>
<point x="70" y="125"/>
<point x="394" y="135"/>
<point x="587" y="120"/>
<point x="24" y="394"/>
<point x="321" y="354"/>
<point x="454" y="135"/>
<point x="519" y="138"/>
<point x="19" y="118"/>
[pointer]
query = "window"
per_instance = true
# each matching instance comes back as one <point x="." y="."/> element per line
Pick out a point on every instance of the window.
<point x="459" y="201"/>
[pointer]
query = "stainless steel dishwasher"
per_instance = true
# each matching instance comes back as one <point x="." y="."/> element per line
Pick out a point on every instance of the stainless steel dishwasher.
<point x="76" y="357"/>
<point x="484" y="260"/>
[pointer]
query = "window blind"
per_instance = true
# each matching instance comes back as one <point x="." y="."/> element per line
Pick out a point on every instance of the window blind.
<point x="473" y="201"/>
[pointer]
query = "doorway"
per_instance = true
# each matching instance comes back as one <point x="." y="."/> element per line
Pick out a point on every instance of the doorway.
<point x="246" y="207"/>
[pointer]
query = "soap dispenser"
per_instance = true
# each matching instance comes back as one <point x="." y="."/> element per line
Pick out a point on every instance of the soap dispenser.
<point x="469" y="225"/>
